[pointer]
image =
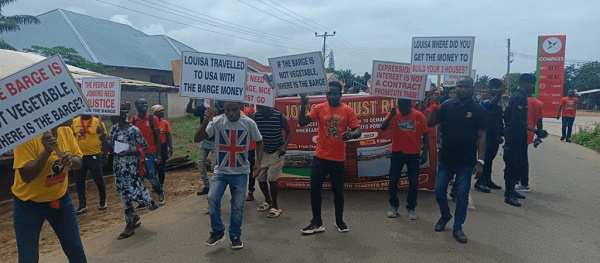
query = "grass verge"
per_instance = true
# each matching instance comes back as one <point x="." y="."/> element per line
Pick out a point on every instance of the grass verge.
<point x="589" y="136"/>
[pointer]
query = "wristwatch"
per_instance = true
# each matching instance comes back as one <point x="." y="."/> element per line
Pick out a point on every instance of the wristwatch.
<point x="481" y="161"/>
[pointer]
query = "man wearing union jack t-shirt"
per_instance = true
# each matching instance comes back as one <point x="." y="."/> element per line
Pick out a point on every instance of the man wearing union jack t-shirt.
<point x="232" y="132"/>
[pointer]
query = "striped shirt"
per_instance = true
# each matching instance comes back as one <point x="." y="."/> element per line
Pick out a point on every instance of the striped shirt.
<point x="270" y="129"/>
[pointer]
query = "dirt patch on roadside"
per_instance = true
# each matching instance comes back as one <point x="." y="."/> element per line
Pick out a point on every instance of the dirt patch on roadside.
<point x="178" y="184"/>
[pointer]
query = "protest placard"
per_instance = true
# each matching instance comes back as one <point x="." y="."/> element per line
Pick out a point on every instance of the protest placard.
<point x="213" y="76"/>
<point x="392" y="79"/>
<point x="442" y="55"/>
<point x="258" y="90"/>
<point x="302" y="73"/>
<point x="37" y="99"/>
<point x="103" y="95"/>
<point x="450" y="80"/>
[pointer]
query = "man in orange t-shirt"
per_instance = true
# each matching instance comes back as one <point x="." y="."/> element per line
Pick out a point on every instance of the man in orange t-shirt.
<point x="334" y="118"/>
<point x="410" y="146"/>
<point x="568" y="109"/>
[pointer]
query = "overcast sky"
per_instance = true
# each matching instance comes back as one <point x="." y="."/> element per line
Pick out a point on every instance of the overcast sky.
<point x="365" y="30"/>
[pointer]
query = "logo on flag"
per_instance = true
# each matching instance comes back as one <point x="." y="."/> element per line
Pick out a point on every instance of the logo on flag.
<point x="232" y="146"/>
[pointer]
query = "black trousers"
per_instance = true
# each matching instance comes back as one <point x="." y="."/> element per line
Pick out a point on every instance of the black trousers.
<point x="319" y="169"/>
<point x="92" y="163"/>
<point x="515" y="160"/>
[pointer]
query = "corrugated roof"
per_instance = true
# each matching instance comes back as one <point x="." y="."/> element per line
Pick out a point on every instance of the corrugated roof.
<point x="13" y="61"/>
<point x="99" y="40"/>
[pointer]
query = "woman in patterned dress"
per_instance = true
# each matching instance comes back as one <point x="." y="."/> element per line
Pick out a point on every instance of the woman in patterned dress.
<point x="128" y="182"/>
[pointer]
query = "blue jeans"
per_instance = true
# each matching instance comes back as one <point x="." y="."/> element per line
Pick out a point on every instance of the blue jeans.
<point x="412" y="165"/>
<point x="462" y="184"/>
<point x="237" y="186"/>
<point x="151" y="167"/>
<point x="205" y="148"/>
<point x="567" y="126"/>
<point x="28" y="219"/>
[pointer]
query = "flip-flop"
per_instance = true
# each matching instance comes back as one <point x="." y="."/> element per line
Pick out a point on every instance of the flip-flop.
<point x="274" y="212"/>
<point x="264" y="207"/>
<point x="125" y="235"/>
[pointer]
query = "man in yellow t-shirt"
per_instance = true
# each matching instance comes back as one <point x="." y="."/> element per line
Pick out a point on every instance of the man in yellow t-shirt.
<point x="87" y="130"/>
<point x="40" y="193"/>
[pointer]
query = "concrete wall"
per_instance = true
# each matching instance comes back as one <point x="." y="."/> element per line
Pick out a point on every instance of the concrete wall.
<point x="176" y="106"/>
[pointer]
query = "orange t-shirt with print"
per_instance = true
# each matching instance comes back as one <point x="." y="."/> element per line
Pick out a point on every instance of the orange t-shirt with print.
<point x="333" y="121"/>
<point x="407" y="132"/>
<point x="569" y="106"/>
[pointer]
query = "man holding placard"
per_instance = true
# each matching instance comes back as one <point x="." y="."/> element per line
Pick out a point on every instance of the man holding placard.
<point x="334" y="118"/>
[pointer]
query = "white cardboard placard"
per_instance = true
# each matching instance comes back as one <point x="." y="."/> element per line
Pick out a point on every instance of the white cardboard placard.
<point x="302" y="73"/>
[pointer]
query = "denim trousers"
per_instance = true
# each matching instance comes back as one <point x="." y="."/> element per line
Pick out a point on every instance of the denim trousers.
<point x="567" y="126"/>
<point x="160" y="167"/>
<point x="205" y="148"/>
<point x="319" y="169"/>
<point x="28" y="219"/>
<point x="237" y="187"/>
<point x="398" y="160"/>
<point x="463" y="186"/>
<point x="93" y="163"/>
<point x="151" y="167"/>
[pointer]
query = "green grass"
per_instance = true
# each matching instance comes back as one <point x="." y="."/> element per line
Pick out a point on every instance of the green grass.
<point x="589" y="136"/>
<point x="182" y="131"/>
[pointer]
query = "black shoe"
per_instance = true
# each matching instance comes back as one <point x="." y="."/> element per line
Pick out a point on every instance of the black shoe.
<point x="81" y="209"/>
<point x="562" y="138"/>
<point x="250" y="196"/>
<point x="215" y="238"/>
<point x="236" y="243"/>
<point x="441" y="224"/>
<point x="203" y="191"/>
<point x="102" y="205"/>
<point x="482" y="188"/>
<point x="568" y="140"/>
<point x="341" y="226"/>
<point x="492" y="185"/>
<point x="518" y="195"/>
<point x="460" y="236"/>
<point x="512" y="201"/>
<point x="313" y="228"/>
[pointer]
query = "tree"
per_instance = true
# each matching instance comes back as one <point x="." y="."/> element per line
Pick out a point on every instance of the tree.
<point x="482" y="82"/>
<point x="70" y="56"/>
<point x="12" y="23"/>
<point x="586" y="77"/>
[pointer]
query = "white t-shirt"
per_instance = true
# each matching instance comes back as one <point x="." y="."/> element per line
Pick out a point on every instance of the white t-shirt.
<point x="232" y="140"/>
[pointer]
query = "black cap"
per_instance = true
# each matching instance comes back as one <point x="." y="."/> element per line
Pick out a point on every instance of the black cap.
<point x="527" y="78"/>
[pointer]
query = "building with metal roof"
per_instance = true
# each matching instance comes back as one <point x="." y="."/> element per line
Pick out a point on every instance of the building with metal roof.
<point x="124" y="50"/>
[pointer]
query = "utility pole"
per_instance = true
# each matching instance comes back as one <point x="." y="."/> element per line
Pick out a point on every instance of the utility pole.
<point x="508" y="61"/>
<point x="324" y="36"/>
<point x="331" y="60"/>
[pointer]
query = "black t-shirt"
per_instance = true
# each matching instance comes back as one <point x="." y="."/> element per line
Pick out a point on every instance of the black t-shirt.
<point x="460" y="123"/>
<point x="515" y="118"/>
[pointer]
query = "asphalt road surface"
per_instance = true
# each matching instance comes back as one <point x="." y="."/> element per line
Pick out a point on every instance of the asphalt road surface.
<point x="558" y="222"/>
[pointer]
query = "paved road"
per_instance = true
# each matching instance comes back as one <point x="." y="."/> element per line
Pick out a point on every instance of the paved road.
<point x="559" y="222"/>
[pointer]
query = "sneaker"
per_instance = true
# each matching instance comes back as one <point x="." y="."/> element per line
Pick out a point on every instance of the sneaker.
<point x="236" y="243"/>
<point x="341" y="227"/>
<point x="162" y="199"/>
<point x="206" y="210"/>
<point x="102" y="205"/>
<point x="203" y="191"/>
<point x="215" y="238"/>
<point x="393" y="212"/>
<point x="313" y="228"/>
<point x="521" y="188"/>
<point x="412" y="215"/>
<point x="140" y="206"/>
<point x="250" y="196"/>
<point x="81" y="209"/>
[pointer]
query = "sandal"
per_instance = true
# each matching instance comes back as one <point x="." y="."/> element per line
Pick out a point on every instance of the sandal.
<point x="264" y="207"/>
<point x="125" y="235"/>
<point x="274" y="212"/>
